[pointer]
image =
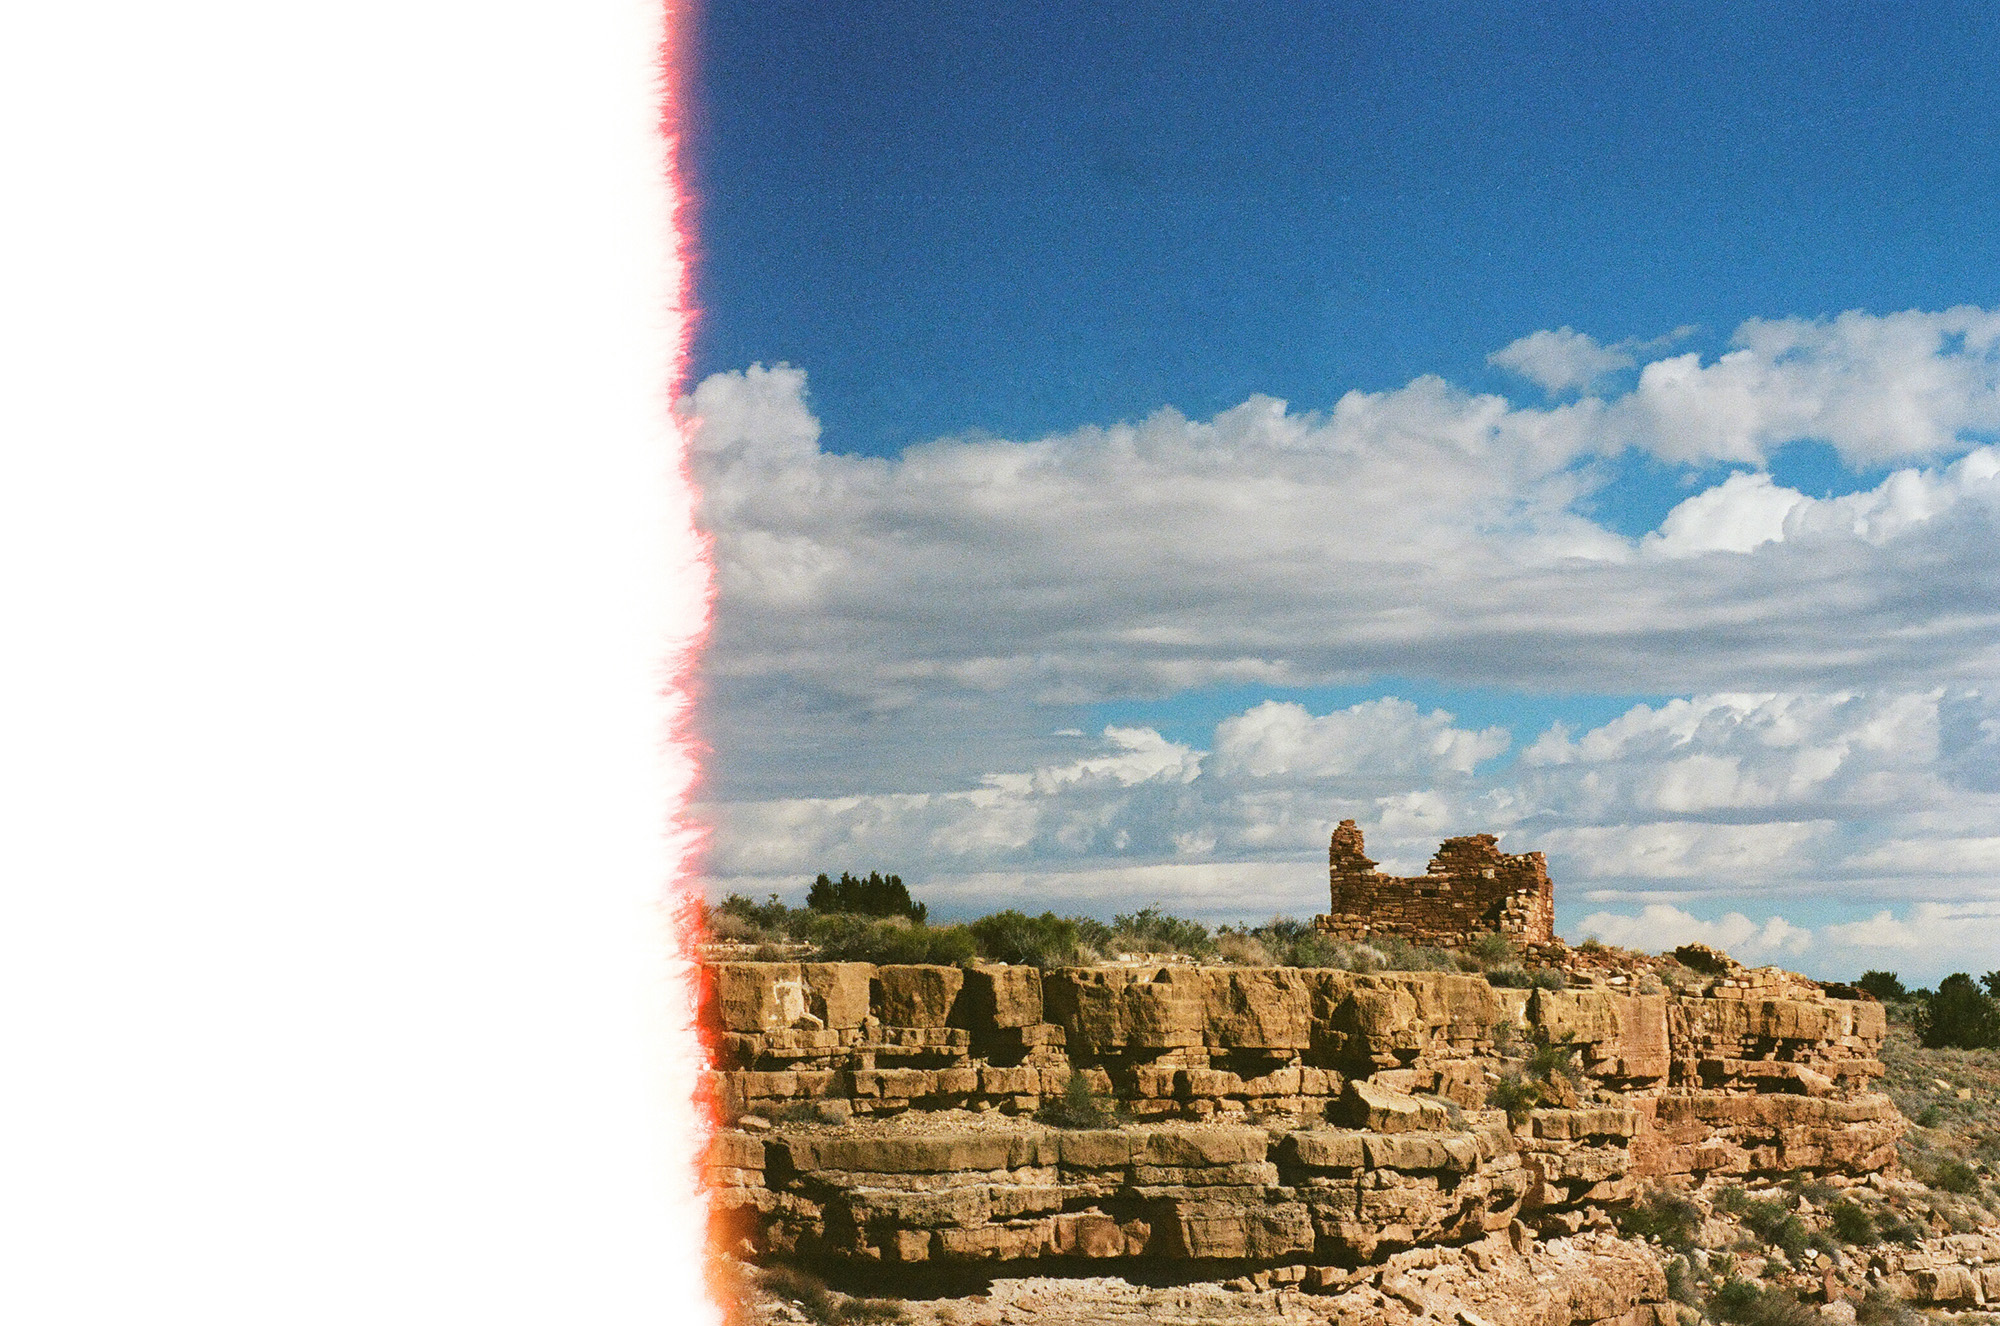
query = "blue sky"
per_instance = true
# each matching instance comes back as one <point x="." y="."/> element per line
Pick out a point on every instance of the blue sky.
<point x="1029" y="217"/>
<point x="1631" y="357"/>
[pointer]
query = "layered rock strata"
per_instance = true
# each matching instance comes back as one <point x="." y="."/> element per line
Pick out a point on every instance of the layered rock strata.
<point x="1304" y="1122"/>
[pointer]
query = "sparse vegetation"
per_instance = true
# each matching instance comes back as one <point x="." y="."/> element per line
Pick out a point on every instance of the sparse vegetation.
<point x="1047" y="940"/>
<point x="823" y="1305"/>
<point x="1851" y="1223"/>
<point x="1750" y="1304"/>
<point x="1517" y="1095"/>
<point x="1667" y="1216"/>
<point x="1150" y="930"/>
<point x="1079" y="1106"/>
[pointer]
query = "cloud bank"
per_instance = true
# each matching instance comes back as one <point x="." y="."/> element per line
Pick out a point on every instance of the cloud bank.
<point x="897" y="639"/>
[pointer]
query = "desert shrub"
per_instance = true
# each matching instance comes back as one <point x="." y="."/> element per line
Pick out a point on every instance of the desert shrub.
<point x="1295" y="943"/>
<point x="1930" y="1116"/>
<point x="1959" y="1015"/>
<point x="1881" y="1307"/>
<point x="1552" y="1059"/>
<point x="1884" y="985"/>
<point x="733" y="926"/>
<point x="1772" y="1221"/>
<point x="1398" y="954"/>
<point x="1243" y="949"/>
<point x="1312" y="949"/>
<point x="1548" y="978"/>
<point x="1954" y="1175"/>
<point x="806" y="1290"/>
<point x="1150" y="930"/>
<point x="1749" y="1304"/>
<point x="1079" y="1106"/>
<point x="823" y="1305"/>
<point x="1517" y="1095"/>
<point x="1047" y="940"/>
<point x="1512" y="978"/>
<point x="1681" y="1286"/>
<point x="1667" y="1216"/>
<point x="845" y="938"/>
<point x="768" y="919"/>
<point x="1851" y="1222"/>
<point x="1490" y="950"/>
<point x="1732" y="1200"/>
<point x="1895" y="1229"/>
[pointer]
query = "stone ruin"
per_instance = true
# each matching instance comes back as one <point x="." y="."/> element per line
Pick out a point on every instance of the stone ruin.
<point x="1307" y="1131"/>
<point x="1471" y="888"/>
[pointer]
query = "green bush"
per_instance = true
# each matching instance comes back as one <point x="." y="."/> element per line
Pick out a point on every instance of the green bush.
<point x="1047" y="940"/>
<point x="844" y="938"/>
<point x="1399" y="954"/>
<point x="1150" y="930"/>
<point x="1552" y="1059"/>
<point x="1667" y="1216"/>
<point x="768" y="919"/>
<point x="1959" y="1015"/>
<point x="1681" y="1286"/>
<point x="1881" y="1307"/>
<point x="1954" y="1175"/>
<point x="1077" y="1107"/>
<point x="1772" y="1221"/>
<point x="1517" y="1095"/>
<point x="1749" y="1304"/>
<point x="1512" y="978"/>
<point x="1884" y="985"/>
<point x="1490" y="950"/>
<point x="1851" y="1222"/>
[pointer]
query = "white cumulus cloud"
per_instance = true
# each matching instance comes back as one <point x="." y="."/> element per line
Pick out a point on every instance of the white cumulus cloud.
<point x="1561" y="360"/>
<point x="1659" y="928"/>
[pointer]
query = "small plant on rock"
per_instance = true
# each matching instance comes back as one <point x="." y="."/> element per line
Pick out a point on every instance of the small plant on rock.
<point x="1517" y="1095"/>
<point x="1079" y="1106"/>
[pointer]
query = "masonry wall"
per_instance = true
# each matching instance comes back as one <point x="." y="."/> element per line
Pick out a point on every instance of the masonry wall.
<point x="1469" y="889"/>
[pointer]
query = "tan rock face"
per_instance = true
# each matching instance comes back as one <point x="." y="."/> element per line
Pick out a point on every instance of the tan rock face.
<point x="1002" y="997"/>
<point x="916" y="996"/>
<point x="838" y="992"/>
<point x="1256" y="1008"/>
<point x="754" y="996"/>
<point x="1280" y="1117"/>
<point x="1377" y="1109"/>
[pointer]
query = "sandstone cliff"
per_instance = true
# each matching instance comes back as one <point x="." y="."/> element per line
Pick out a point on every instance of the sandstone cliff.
<point x="1302" y="1130"/>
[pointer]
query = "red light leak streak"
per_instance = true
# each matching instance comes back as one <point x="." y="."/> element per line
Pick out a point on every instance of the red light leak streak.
<point x="693" y="593"/>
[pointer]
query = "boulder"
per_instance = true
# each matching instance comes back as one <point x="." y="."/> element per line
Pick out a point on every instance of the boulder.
<point x="1104" y="1009"/>
<point x="916" y="995"/>
<point x="1001" y="996"/>
<point x="754" y="996"/>
<point x="1266" y="1008"/>
<point x="838" y="992"/>
<point x="1365" y="1105"/>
